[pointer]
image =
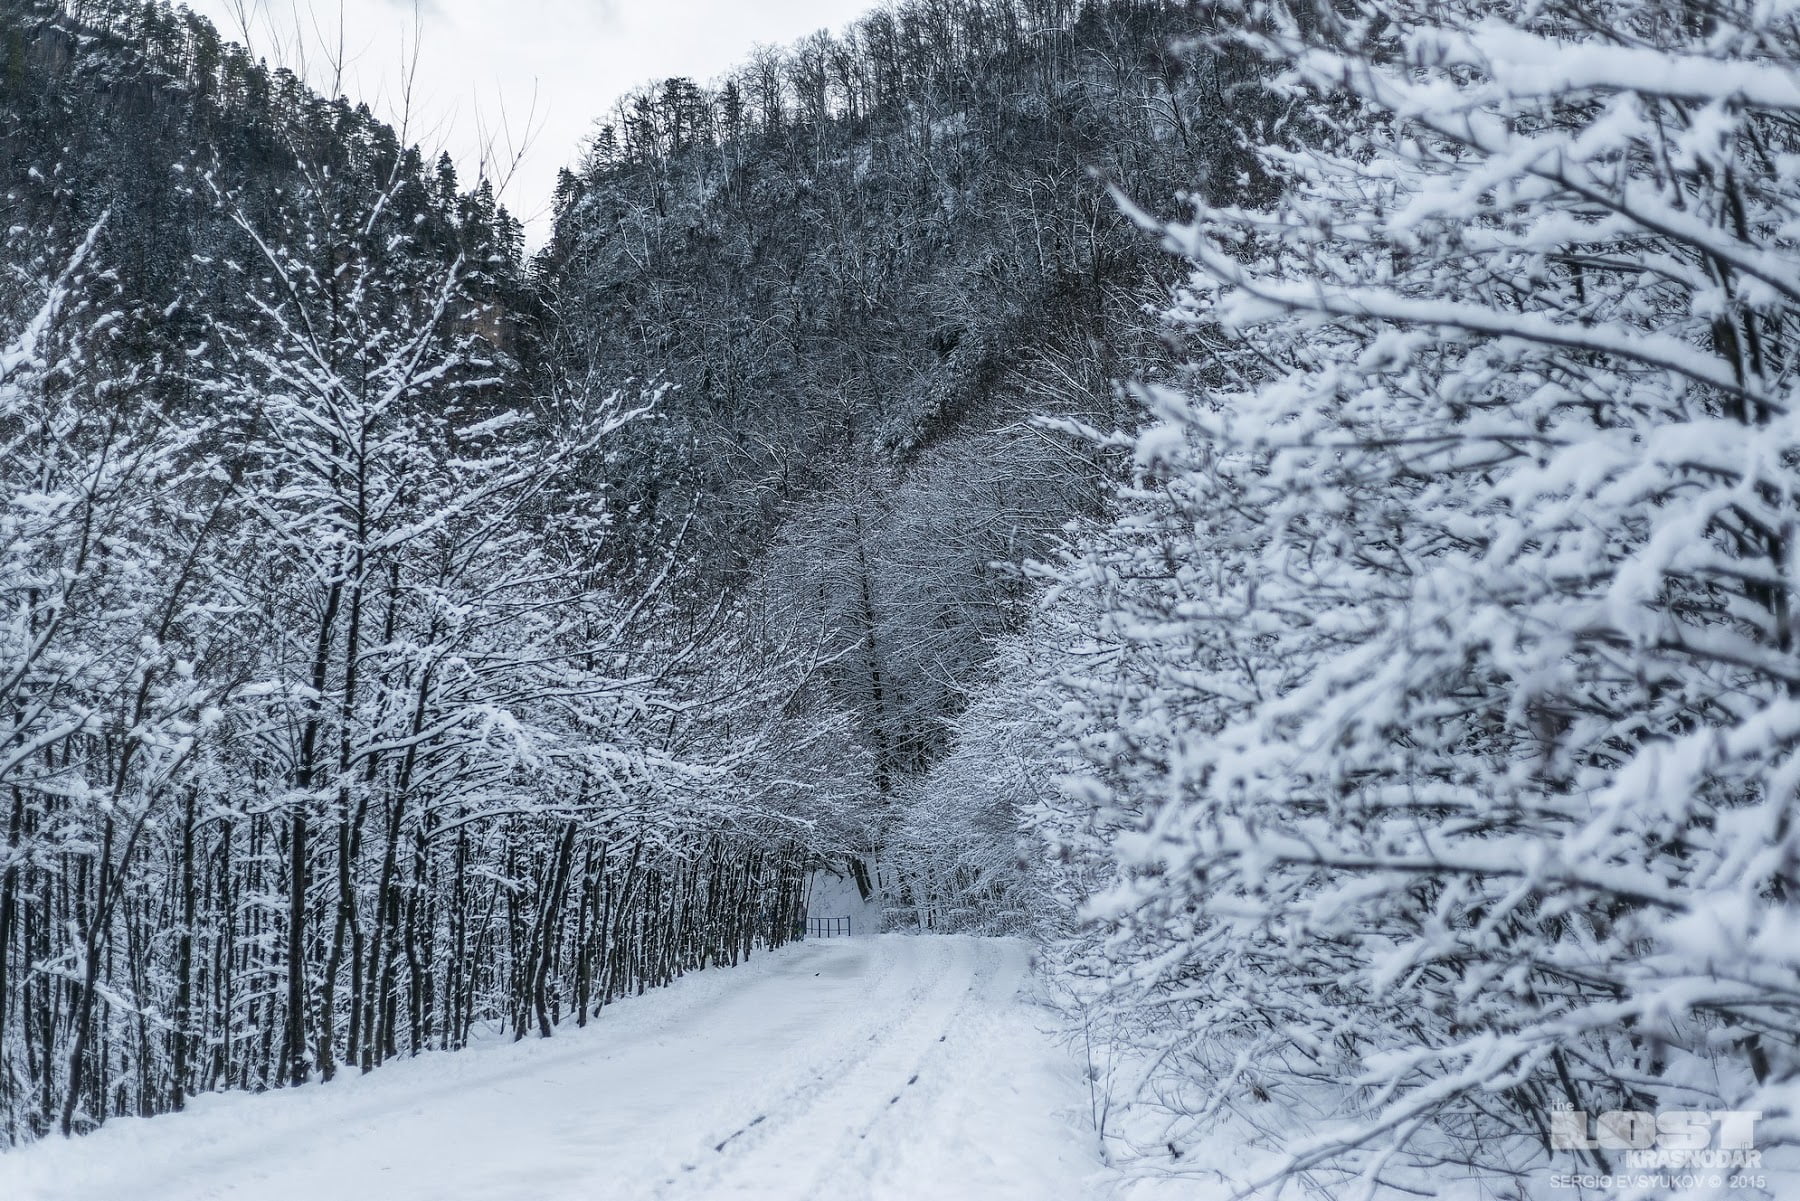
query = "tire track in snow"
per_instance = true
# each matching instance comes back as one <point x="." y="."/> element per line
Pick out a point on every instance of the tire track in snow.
<point x="784" y="1136"/>
<point x="851" y="1175"/>
<point x="808" y="1145"/>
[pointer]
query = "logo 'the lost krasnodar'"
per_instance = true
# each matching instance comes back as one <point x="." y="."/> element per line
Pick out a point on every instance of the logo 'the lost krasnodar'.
<point x="1676" y="1138"/>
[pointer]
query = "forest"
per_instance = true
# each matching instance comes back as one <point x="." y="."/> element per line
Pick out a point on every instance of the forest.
<point x="1286" y="506"/>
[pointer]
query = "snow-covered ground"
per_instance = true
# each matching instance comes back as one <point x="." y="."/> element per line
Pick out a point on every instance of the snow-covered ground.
<point x="871" y="1069"/>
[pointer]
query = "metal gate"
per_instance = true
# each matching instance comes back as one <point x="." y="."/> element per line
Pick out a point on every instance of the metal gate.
<point x="828" y="927"/>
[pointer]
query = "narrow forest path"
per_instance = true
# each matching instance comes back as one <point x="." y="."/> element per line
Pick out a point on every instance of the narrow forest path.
<point x="874" y="1069"/>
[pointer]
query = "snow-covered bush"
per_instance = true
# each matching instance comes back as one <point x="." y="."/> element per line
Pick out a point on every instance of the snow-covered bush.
<point x="1449" y="730"/>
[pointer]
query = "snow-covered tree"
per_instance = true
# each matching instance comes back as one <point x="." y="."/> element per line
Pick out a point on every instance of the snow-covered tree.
<point x="101" y="566"/>
<point x="1449" y="733"/>
<point x="329" y="732"/>
<point x="960" y="849"/>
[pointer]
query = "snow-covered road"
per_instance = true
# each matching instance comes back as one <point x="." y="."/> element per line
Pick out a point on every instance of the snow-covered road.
<point x="888" y="1069"/>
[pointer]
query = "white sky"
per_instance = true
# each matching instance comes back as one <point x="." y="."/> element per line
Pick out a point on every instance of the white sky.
<point x="484" y="64"/>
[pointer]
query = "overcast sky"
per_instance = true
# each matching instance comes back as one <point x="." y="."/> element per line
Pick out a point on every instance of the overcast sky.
<point x="484" y="63"/>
